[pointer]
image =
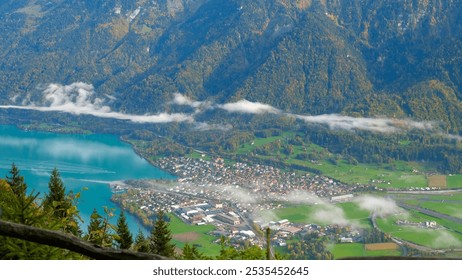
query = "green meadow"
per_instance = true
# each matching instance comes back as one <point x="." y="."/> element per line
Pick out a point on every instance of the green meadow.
<point x="305" y="214"/>
<point x="346" y="250"/>
<point x="444" y="207"/>
<point x="397" y="175"/>
<point x="454" y="181"/>
<point x="379" y="175"/>
<point x="204" y="241"/>
<point x="442" y="238"/>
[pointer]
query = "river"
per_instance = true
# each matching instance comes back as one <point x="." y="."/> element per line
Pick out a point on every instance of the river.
<point x="87" y="164"/>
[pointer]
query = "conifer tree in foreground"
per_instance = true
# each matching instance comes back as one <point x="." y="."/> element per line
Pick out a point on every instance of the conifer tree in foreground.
<point x="94" y="228"/>
<point x="99" y="229"/>
<point x="192" y="253"/>
<point x="16" y="182"/>
<point x="161" y="237"/>
<point x="56" y="192"/>
<point x="124" y="238"/>
<point x="141" y="244"/>
<point x="61" y="205"/>
<point x="19" y="206"/>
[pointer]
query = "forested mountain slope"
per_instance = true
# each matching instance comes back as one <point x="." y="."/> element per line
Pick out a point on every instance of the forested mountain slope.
<point x="400" y="58"/>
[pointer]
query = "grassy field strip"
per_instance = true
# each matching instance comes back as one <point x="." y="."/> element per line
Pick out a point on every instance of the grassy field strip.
<point x="345" y="250"/>
<point x="454" y="181"/>
<point x="454" y="209"/>
<point x="367" y="174"/>
<point x="305" y="214"/>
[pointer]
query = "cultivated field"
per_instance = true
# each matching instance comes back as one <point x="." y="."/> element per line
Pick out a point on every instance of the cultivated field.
<point x="381" y="246"/>
<point x="437" y="181"/>
<point x="183" y="233"/>
<point x="187" y="237"/>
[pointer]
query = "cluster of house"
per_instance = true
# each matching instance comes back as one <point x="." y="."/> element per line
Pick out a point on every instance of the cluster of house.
<point x="206" y="213"/>
<point x="212" y="192"/>
<point x="262" y="179"/>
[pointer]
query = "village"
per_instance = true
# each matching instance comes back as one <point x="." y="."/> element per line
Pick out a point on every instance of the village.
<point x="231" y="198"/>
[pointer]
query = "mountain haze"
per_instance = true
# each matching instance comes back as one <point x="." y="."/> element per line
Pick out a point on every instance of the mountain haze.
<point x="360" y="57"/>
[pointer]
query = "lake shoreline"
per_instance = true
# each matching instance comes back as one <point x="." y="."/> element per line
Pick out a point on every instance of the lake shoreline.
<point x="82" y="159"/>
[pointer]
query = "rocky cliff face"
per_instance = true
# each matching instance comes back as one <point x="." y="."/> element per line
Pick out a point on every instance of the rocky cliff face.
<point x="312" y="56"/>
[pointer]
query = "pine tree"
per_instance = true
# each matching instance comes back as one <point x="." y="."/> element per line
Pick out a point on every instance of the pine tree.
<point x="191" y="253"/>
<point x="23" y="206"/>
<point x="19" y="207"/>
<point x="187" y="253"/>
<point x="56" y="193"/>
<point x="61" y="205"/>
<point x="100" y="231"/>
<point x="141" y="244"/>
<point x="7" y="199"/>
<point x="228" y="252"/>
<point x="16" y="182"/>
<point x="160" y="239"/>
<point x="124" y="237"/>
<point x="95" y="228"/>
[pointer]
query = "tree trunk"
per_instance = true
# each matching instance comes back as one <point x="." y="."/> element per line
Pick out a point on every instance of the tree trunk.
<point x="70" y="242"/>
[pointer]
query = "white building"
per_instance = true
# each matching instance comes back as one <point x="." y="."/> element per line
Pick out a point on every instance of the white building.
<point x="247" y="233"/>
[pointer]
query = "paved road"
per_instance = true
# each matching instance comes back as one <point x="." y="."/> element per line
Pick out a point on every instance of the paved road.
<point x="429" y="212"/>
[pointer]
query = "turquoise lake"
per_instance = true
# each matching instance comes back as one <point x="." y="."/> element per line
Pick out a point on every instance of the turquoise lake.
<point x="84" y="161"/>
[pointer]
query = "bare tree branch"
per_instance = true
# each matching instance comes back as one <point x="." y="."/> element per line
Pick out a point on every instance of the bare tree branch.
<point x="70" y="242"/>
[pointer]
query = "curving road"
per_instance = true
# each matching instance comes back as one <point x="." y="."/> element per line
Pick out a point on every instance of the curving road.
<point x="429" y="212"/>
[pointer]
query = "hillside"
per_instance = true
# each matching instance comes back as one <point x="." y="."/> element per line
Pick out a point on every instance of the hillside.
<point x="367" y="58"/>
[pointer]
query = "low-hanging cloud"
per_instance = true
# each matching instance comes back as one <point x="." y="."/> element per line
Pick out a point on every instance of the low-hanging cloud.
<point x="203" y="126"/>
<point x="379" y="206"/>
<point x="333" y="121"/>
<point x="325" y="212"/>
<point x="181" y="99"/>
<point x="384" y="125"/>
<point x="79" y="99"/>
<point x="265" y="216"/>
<point x="245" y="106"/>
<point x="444" y="239"/>
<point x="303" y="197"/>
<point x="451" y="136"/>
<point x="159" y="118"/>
<point x="78" y="95"/>
<point x="240" y="195"/>
<point x="332" y="215"/>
